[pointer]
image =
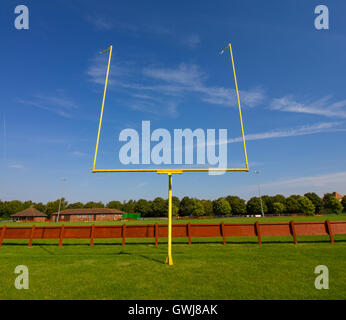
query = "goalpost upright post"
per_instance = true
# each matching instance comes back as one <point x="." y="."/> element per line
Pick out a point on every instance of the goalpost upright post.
<point x="103" y="102"/>
<point x="169" y="259"/>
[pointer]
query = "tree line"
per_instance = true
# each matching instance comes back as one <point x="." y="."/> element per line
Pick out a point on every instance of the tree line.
<point x="309" y="204"/>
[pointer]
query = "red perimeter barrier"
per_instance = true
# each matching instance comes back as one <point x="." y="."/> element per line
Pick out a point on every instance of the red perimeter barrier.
<point x="189" y="230"/>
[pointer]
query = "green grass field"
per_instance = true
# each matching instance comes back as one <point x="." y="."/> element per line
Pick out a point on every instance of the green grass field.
<point x="205" y="220"/>
<point x="207" y="269"/>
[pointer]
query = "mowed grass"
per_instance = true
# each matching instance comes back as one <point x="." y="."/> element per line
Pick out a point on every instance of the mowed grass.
<point x="202" y="220"/>
<point x="207" y="269"/>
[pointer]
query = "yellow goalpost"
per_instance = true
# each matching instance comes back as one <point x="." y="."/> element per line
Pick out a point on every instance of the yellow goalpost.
<point x="170" y="172"/>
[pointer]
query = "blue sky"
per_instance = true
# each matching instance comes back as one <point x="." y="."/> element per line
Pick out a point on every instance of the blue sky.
<point x="166" y="68"/>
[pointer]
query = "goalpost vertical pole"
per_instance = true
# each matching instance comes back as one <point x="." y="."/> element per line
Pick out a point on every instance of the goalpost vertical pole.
<point x="169" y="259"/>
<point x="103" y="102"/>
<point x="239" y="108"/>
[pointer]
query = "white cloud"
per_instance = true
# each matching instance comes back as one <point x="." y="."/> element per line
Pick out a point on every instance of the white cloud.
<point x="158" y="81"/>
<point x="185" y="74"/>
<point x="160" y="89"/>
<point x="171" y="109"/>
<point x="227" y="97"/>
<point x="58" y="101"/>
<point x="16" y="166"/>
<point x="324" y="106"/>
<point x="189" y="78"/>
<point x="78" y="154"/>
<point x="100" y="23"/>
<point x="98" y="68"/>
<point x="104" y="23"/>
<point x="321" y="184"/>
<point x="329" y="181"/>
<point x="292" y="132"/>
<point x="149" y="30"/>
<point x="97" y="72"/>
<point x="191" y="40"/>
<point x="56" y="104"/>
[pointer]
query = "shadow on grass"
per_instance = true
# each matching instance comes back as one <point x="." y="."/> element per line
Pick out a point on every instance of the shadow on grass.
<point x="46" y="250"/>
<point x="146" y="257"/>
<point x="157" y="256"/>
<point x="229" y="242"/>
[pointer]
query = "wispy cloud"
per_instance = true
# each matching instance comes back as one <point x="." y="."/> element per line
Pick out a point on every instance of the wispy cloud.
<point x="171" y="109"/>
<point x="160" y="87"/>
<point x="189" y="78"/>
<point x="184" y="74"/>
<point x="78" y="154"/>
<point x="98" y="68"/>
<point x="104" y="23"/>
<point x="324" y="106"/>
<point x="319" y="183"/>
<point x="101" y="23"/>
<point x="16" y="166"/>
<point x="56" y="104"/>
<point x="42" y="139"/>
<point x="292" y="132"/>
<point x="227" y="97"/>
<point x="191" y="40"/>
<point x="325" y="180"/>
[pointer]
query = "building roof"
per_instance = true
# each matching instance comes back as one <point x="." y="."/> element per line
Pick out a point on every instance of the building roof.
<point x="337" y="195"/>
<point x="30" y="212"/>
<point x="89" y="211"/>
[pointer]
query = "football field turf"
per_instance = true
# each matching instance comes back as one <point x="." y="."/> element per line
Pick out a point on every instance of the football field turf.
<point x="206" y="269"/>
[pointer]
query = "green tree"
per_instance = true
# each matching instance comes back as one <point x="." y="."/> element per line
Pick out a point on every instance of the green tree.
<point x="11" y="207"/>
<point x="326" y="198"/>
<point x="2" y="206"/>
<point x="316" y="200"/>
<point x="27" y="204"/>
<point x="278" y="208"/>
<point x="175" y="206"/>
<point x="237" y="204"/>
<point x="197" y="208"/>
<point x="292" y="204"/>
<point x="40" y="207"/>
<point x="176" y="201"/>
<point x="278" y="198"/>
<point x="114" y="205"/>
<point x="129" y="206"/>
<point x="331" y="204"/>
<point x="306" y="206"/>
<point x="15" y="206"/>
<point x="343" y="202"/>
<point x="267" y="203"/>
<point x="92" y="204"/>
<point x="143" y="207"/>
<point x="75" y="205"/>
<point x="208" y="207"/>
<point x="159" y="207"/>
<point x="221" y="207"/>
<point x="175" y="209"/>
<point x="253" y="206"/>
<point x="186" y="206"/>
<point x="53" y="206"/>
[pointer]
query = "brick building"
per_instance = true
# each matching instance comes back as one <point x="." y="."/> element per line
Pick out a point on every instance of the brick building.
<point x="337" y="196"/>
<point x="88" y="214"/>
<point x="30" y="214"/>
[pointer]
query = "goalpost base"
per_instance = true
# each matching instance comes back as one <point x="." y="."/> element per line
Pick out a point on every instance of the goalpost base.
<point x="169" y="260"/>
